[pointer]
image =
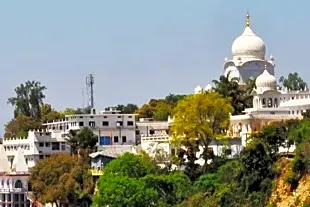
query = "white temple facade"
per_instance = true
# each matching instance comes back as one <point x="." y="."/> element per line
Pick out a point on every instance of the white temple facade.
<point x="248" y="56"/>
<point x="13" y="180"/>
<point x="269" y="102"/>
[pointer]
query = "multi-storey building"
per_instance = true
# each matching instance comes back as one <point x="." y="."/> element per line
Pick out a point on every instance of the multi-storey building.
<point x="111" y="126"/>
<point x="37" y="145"/>
<point x="13" y="180"/>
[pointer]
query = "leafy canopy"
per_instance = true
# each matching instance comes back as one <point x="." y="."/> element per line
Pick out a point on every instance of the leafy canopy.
<point x="200" y="118"/>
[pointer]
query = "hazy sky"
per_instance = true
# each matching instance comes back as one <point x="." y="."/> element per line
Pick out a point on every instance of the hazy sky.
<point x="138" y="50"/>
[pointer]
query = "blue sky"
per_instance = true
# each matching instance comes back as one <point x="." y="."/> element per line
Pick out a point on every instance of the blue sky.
<point x="138" y="49"/>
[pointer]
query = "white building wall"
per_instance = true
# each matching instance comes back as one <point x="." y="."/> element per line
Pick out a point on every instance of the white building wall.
<point x="36" y="146"/>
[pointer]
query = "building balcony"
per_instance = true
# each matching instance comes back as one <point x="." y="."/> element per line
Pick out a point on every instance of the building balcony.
<point x="96" y="172"/>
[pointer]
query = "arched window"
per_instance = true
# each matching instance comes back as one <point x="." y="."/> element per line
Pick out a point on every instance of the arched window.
<point x="18" y="184"/>
<point x="264" y="102"/>
<point x="275" y="102"/>
<point x="269" y="102"/>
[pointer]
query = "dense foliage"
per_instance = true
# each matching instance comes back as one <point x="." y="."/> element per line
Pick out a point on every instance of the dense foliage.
<point x="198" y="119"/>
<point x="293" y="82"/>
<point x="239" y="95"/>
<point x="62" y="178"/>
<point x="136" y="180"/>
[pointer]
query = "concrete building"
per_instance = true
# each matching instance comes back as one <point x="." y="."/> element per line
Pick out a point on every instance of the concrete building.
<point x="13" y="180"/>
<point x="110" y="126"/>
<point x="36" y="146"/>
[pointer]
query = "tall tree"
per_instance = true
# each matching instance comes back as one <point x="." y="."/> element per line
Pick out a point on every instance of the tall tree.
<point x="293" y="82"/>
<point x="200" y="118"/>
<point x="28" y="100"/>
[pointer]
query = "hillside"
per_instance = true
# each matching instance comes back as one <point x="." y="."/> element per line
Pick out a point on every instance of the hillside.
<point x="282" y="196"/>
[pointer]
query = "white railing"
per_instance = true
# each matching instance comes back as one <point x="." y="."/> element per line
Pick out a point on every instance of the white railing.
<point x="155" y="138"/>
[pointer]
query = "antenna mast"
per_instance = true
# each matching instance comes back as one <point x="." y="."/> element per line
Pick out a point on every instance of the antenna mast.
<point x="90" y="89"/>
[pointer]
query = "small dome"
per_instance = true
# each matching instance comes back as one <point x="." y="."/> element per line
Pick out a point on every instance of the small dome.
<point x="265" y="80"/>
<point x="208" y="87"/>
<point x="198" y="89"/>
<point x="248" y="45"/>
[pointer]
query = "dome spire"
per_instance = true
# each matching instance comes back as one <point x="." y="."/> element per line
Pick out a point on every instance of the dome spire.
<point x="248" y="19"/>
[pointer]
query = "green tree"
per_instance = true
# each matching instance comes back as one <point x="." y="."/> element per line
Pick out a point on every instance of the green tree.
<point x="119" y="190"/>
<point x="84" y="140"/>
<point x="28" y="100"/>
<point x="200" y="118"/>
<point x="293" y="82"/>
<point x="127" y="109"/>
<point x="136" y="180"/>
<point x="134" y="166"/>
<point x="240" y="96"/>
<point x="20" y="126"/>
<point x="50" y="114"/>
<point x="61" y="178"/>
<point x="173" y="99"/>
<point x="162" y="111"/>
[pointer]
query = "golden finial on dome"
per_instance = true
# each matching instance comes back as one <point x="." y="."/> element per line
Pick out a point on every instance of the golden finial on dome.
<point x="247" y="19"/>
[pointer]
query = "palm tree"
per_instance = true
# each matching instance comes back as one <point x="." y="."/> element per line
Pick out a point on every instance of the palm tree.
<point x="240" y="96"/>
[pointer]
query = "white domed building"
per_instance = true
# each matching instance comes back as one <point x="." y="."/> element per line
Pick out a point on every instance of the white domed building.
<point x="269" y="102"/>
<point x="248" y="56"/>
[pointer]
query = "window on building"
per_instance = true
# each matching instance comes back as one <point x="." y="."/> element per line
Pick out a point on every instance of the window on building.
<point x="41" y="144"/>
<point x="91" y="117"/>
<point x="41" y="157"/>
<point x="16" y="198"/>
<point x="119" y="117"/>
<point x="91" y="124"/>
<point x="123" y="138"/>
<point x="22" y="198"/>
<point x="26" y="160"/>
<point x="55" y="146"/>
<point x="119" y="123"/>
<point x="115" y="138"/>
<point x="60" y="127"/>
<point x="129" y="117"/>
<point x="105" y="123"/>
<point x="105" y="117"/>
<point x="18" y="184"/>
<point x="152" y="131"/>
<point x="137" y="132"/>
<point x="81" y="123"/>
<point x="47" y="144"/>
<point x="129" y="123"/>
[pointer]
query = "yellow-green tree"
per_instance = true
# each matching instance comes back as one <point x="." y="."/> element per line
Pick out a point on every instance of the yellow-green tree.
<point x="198" y="119"/>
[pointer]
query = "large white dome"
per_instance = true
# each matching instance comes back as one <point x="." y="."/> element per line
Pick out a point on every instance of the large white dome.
<point x="266" y="80"/>
<point x="248" y="45"/>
